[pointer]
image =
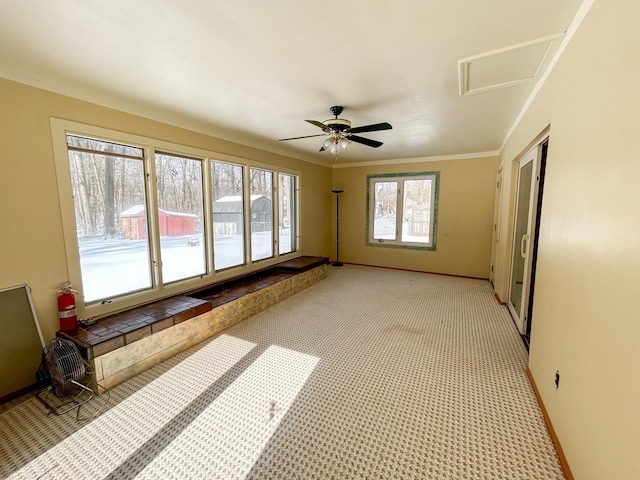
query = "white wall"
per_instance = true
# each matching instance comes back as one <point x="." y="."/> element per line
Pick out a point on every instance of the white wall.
<point x="585" y="317"/>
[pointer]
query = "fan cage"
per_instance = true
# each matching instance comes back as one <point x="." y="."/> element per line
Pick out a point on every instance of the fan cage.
<point x="66" y="366"/>
<point x="67" y="369"/>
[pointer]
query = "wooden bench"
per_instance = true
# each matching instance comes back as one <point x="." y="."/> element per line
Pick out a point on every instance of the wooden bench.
<point x="122" y="345"/>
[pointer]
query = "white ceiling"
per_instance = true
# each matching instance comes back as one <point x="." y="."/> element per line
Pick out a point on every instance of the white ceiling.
<point x="253" y="71"/>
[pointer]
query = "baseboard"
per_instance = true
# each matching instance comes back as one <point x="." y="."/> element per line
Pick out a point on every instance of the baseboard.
<point x="498" y="299"/>
<point x="554" y="438"/>
<point x="416" y="271"/>
<point x="19" y="393"/>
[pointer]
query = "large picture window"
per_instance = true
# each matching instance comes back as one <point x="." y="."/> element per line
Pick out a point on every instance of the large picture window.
<point x="145" y="219"/>
<point x="403" y="209"/>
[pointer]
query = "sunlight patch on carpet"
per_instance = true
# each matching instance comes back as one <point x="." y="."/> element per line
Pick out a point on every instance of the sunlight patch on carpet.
<point x="227" y="438"/>
<point x="101" y="446"/>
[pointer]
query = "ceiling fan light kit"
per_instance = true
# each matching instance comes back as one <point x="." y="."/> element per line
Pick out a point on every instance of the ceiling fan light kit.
<point x="340" y="134"/>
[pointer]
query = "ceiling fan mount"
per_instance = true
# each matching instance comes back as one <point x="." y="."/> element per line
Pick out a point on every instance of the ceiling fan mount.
<point x="336" y="110"/>
<point x="341" y="134"/>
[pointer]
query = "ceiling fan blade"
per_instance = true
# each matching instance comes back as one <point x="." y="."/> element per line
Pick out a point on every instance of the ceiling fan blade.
<point x="370" y="128"/>
<point x="306" y="136"/>
<point x="319" y="124"/>
<point x="364" y="141"/>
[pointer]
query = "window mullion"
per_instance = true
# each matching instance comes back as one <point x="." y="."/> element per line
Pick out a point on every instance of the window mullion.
<point x="399" y="208"/>
<point x="246" y="198"/>
<point x="153" y="229"/>
<point x="298" y="217"/>
<point x="275" y="212"/>
<point x="207" y="193"/>
<point x="371" y="208"/>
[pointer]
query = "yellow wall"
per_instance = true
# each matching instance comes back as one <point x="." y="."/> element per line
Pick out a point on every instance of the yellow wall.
<point x="585" y="309"/>
<point x="465" y="215"/>
<point x="585" y="312"/>
<point x="31" y="243"/>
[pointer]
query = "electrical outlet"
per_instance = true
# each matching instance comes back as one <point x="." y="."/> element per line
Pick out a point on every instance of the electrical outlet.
<point x="557" y="378"/>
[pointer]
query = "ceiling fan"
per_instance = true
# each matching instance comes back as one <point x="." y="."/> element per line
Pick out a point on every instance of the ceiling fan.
<point x="340" y="134"/>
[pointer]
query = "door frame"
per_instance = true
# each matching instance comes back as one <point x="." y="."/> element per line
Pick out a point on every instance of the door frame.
<point x="522" y="318"/>
<point x="497" y="215"/>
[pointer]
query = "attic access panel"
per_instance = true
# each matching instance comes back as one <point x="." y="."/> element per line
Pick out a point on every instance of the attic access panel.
<point x="507" y="66"/>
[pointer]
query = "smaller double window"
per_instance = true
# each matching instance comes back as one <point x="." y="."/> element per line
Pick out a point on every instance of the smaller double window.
<point x="402" y="210"/>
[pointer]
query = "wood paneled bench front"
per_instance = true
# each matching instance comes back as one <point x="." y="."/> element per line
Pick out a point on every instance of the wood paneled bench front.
<point x="122" y="345"/>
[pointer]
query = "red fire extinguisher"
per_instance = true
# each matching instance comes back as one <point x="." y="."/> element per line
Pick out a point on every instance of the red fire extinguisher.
<point x="67" y="309"/>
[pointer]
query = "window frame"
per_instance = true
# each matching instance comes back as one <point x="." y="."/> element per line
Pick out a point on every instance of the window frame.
<point x="246" y="246"/>
<point x="156" y="213"/>
<point x="293" y="212"/>
<point x="274" y="200"/>
<point x="372" y="179"/>
<point x="60" y="128"/>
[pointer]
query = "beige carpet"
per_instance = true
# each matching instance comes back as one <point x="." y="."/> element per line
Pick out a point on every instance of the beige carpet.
<point x="371" y="373"/>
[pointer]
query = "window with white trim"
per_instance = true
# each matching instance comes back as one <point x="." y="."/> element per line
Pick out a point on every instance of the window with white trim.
<point x="287" y="213"/>
<point x="261" y="208"/>
<point x="180" y="216"/>
<point x="228" y="214"/>
<point x="402" y="210"/>
<point x="109" y="199"/>
<point x="145" y="219"/>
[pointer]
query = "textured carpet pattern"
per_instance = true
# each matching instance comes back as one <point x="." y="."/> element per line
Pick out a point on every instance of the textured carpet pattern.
<point x="371" y="373"/>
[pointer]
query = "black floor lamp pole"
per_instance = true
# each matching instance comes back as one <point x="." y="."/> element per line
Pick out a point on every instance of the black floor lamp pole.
<point x="337" y="263"/>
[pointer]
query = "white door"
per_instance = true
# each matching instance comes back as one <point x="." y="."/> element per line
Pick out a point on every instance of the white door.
<point x="524" y="227"/>
<point x="496" y="226"/>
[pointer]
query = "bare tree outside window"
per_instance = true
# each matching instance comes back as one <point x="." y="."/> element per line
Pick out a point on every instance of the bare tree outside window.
<point x="386" y="198"/>
<point x="139" y="218"/>
<point x="107" y="181"/>
<point x="402" y="209"/>
<point x="417" y="211"/>
<point x="180" y="216"/>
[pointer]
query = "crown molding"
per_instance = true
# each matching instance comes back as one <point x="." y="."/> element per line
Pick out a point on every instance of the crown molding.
<point x="437" y="158"/>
